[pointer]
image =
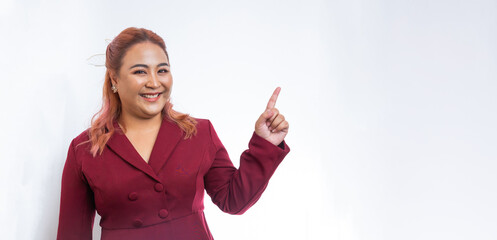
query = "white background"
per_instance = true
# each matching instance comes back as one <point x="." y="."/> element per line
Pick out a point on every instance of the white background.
<point x="392" y="108"/>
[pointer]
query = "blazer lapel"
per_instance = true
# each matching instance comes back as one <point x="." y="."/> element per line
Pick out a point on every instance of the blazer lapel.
<point x="167" y="139"/>
<point x="121" y="145"/>
<point x="169" y="136"/>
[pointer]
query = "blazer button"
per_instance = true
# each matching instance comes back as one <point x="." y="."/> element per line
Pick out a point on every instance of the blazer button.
<point x="163" y="213"/>
<point x="133" y="196"/>
<point x="137" y="222"/>
<point x="159" y="187"/>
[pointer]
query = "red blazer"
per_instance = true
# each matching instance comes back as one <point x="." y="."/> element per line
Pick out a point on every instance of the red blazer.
<point x="161" y="199"/>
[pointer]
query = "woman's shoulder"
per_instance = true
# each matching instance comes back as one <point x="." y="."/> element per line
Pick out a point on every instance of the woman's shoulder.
<point x="81" y="141"/>
<point x="82" y="137"/>
<point x="204" y="125"/>
<point x="202" y="122"/>
<point x="205" y="128"/>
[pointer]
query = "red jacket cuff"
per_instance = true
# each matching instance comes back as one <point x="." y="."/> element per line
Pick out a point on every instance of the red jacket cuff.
<point x="259" y="145"/>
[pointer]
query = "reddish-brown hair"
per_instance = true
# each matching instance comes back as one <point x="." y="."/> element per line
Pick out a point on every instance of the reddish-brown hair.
<point x="102" y="124"/>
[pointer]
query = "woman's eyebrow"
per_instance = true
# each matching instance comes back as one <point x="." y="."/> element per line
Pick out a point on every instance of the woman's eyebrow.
<point x="146" y="66"/>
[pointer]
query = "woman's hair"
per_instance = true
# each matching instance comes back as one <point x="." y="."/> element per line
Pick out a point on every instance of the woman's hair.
<point x="102" y="123"/>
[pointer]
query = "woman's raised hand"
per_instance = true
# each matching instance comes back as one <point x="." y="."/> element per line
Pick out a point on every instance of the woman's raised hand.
<point x="272" y="125"/>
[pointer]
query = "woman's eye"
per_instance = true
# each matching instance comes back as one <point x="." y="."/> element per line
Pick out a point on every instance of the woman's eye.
<point x="163" y="71"/>
<point x="139" y="72"/>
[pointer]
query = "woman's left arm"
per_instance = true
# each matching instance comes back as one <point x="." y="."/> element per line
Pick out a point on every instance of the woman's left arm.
<point x="235" y="190"/>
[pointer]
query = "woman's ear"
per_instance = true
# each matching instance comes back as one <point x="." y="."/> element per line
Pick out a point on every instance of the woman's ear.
<point x="113" y="78"/>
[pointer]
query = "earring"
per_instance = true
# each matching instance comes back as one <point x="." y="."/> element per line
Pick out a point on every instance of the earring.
<point x="114" y="89"/>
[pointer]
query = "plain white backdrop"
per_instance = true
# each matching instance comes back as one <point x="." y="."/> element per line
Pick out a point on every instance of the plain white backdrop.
<point x="392" y="108"/>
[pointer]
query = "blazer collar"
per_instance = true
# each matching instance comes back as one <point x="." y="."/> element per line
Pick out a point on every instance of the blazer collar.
<point x="167" y="139"/>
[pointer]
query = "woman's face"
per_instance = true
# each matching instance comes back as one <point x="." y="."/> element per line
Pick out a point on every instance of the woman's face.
<point x="144" y="81"/>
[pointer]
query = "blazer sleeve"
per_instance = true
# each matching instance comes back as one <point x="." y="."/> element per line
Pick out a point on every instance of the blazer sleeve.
<point x="235" y="190"/>
<point x="77" y="206"/>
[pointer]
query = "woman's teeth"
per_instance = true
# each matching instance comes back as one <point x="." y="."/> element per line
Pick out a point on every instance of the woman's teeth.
<point x="150" y="96"/>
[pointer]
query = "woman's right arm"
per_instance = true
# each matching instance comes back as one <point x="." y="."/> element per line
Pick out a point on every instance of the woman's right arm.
<point x="77" y="206"/>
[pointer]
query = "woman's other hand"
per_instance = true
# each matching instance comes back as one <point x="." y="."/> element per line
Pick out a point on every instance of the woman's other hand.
<point x="272" y="125"/>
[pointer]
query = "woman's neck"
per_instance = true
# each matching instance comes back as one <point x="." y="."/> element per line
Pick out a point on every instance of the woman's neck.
<point x="143" y="125"/>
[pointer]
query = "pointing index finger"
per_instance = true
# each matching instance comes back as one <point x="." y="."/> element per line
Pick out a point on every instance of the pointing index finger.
<point x="272" y="100"/>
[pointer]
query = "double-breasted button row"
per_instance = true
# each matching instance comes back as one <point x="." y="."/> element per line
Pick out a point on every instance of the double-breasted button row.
<point x="163" y="213"/>
<point x="133" y="196"/>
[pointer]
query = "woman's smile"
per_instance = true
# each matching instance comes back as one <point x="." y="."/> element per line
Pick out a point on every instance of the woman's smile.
<point x="151" y="97"/>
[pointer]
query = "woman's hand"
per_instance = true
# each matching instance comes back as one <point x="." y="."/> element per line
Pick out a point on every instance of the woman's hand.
<point x="272" y="125"/>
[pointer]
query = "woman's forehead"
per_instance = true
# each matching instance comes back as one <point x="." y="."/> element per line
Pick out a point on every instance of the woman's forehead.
<point x="145" y="53"/>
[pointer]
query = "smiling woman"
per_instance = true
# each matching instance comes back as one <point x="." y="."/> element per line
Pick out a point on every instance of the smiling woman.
<point x="144" y="167"/>
<point x="145" y="86"/>
<point x="130" y="58"/>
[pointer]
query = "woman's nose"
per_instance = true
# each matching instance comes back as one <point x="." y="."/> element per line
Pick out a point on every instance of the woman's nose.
<point x="153" y="81"/>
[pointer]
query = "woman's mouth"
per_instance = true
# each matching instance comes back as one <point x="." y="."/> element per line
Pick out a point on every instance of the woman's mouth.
<point x="151" y="97"/>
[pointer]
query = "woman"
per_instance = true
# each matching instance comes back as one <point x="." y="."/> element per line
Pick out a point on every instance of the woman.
<point x="144" y="167"/>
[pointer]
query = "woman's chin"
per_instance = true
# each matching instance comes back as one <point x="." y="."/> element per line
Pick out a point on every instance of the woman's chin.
<point x="154" y="113"/>
<point x="151" y="112"/>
